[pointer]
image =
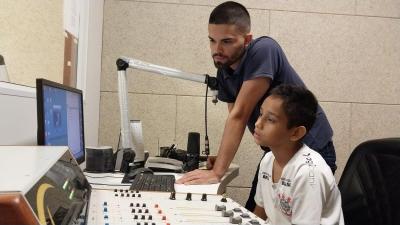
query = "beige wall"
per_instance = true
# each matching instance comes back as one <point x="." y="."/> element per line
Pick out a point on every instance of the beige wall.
<point x="347" y="52"/>
<point x="32" y="39"/>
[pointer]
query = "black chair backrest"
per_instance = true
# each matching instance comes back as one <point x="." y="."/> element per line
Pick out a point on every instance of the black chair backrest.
<point x="370" y="184"/>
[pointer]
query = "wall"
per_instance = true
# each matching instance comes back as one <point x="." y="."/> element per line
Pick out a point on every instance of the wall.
<point x="347" y="52"/>
<point x="32" y="40"/>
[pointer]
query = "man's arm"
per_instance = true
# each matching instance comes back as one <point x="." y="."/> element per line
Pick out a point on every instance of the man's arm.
<point x="249" y="95"/>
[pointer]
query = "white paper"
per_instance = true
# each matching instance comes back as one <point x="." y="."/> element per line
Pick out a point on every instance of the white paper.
<point x="71" y="17"/>
<point x="137" y="139"/>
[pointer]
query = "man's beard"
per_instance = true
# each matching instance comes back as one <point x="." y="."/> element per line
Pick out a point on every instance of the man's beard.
<point x="236" y="57"/>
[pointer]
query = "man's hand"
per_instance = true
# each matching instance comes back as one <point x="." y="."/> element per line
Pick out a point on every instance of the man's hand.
<point x="199" y="177"/>
<point x="210" y="162"/>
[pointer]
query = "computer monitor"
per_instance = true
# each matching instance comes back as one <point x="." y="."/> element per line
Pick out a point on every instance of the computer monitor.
<point x="60" y="117"/>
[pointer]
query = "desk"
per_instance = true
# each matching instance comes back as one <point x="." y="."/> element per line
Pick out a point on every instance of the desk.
<point x="113" y="181"/>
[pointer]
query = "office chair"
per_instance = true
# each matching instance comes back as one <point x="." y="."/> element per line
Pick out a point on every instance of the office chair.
<point x="370" y="184"/>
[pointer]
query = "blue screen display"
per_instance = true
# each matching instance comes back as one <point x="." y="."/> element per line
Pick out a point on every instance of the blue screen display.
<point x="63" y="119"/>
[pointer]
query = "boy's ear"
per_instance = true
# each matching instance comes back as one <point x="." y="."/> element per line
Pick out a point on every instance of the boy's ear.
<point x="298" y="133"/>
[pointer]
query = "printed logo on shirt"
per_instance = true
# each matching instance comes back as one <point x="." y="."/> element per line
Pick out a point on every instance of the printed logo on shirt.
<point x="311" y="175"/>
<point x="285" y="204"/>
<point x="309" y="160"/>
<point x="266" y="175"/>
<point x="286" y="182"/>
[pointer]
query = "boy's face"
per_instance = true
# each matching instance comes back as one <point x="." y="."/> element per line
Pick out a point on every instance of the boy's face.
<point x="271" y="126"/>
<point x="227" y="44"/>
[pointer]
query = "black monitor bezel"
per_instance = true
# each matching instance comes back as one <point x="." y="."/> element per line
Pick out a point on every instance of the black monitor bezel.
<point x="40" y="82"/>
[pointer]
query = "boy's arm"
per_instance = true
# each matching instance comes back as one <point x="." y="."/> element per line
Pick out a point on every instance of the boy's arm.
<point x="260" y="212"/>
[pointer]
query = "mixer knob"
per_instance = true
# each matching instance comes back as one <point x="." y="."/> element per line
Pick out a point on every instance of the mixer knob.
<point x="237" y="210"/>
<point x="223" y="199"/>
<point x="172" y="196"/>
<point x="245" y="215"/>
<point x="204" y="197"/>
<point x="219" y="207"/>
<point x="227" y="213"/>
<point x="189" y="196"/>
<point x="254" y="222"/>
<point x="235" y="220"/>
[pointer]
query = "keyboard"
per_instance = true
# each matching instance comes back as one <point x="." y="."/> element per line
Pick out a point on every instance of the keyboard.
<point x="152" y="182"/>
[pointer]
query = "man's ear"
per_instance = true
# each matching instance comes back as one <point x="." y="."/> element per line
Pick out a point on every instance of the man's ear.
<point x="247" y="39"/>
<point x="298" y="133"/>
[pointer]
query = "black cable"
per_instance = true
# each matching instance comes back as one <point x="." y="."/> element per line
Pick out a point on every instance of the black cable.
<point x="206" y="142"/>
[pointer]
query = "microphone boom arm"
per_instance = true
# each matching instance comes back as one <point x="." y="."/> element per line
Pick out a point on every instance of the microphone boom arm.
<point x="123" y="63"/>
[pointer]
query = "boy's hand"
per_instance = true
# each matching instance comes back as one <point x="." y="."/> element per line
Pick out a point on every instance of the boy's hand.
<point x="199" y="177"/>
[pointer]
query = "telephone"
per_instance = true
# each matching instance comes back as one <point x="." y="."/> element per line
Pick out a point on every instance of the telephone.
<point x="162" y="164"/>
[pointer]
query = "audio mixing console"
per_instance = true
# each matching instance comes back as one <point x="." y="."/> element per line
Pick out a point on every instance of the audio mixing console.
<point x="109" y="207"/>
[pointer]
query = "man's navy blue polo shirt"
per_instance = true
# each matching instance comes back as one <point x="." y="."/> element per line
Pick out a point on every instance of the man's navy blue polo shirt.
<point x="265" y="58"/>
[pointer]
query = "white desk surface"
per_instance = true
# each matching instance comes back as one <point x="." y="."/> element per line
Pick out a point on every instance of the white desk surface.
<point x="113" y="181"/>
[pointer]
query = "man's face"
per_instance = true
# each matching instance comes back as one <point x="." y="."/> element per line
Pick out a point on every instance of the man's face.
<point x="271" y="126"/>
<point x="227" y="44"/>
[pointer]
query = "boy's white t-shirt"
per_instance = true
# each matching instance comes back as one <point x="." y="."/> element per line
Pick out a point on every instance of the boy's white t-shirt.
<point x="305" y="194"/>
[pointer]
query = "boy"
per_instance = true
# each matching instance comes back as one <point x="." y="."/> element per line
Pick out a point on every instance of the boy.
<point x="295" y="185"/>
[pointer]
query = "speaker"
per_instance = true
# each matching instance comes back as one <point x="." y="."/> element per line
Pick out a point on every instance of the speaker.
<point x="193" y="152"/>
<point x="99" y="159"/>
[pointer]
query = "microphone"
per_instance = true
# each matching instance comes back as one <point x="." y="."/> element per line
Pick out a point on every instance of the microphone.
<point x="193" y="152"/>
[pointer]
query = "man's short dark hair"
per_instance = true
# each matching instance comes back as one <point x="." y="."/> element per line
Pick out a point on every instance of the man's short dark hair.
<point x="231" y="13"/>
<point x="299" y="105"/>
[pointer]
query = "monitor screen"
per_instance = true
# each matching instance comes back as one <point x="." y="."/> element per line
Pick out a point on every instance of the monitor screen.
<point x="60" y="117"/>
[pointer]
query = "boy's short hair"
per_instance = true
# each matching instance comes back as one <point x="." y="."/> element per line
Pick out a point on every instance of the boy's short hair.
<point x="231" y="13"/>
<point x="299" y="105"/>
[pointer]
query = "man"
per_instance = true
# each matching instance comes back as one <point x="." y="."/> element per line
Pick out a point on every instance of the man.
<point x="247" y="70"/>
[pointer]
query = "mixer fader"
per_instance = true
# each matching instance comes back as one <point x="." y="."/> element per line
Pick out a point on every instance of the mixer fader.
<point x="111" y="207"/>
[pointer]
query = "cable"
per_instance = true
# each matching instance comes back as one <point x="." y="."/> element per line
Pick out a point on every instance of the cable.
<point x="206" y="141"/>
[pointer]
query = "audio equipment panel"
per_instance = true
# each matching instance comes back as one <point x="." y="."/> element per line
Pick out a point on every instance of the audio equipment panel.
<point x="108" y="207"/>
<point x="50" y="180"/>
